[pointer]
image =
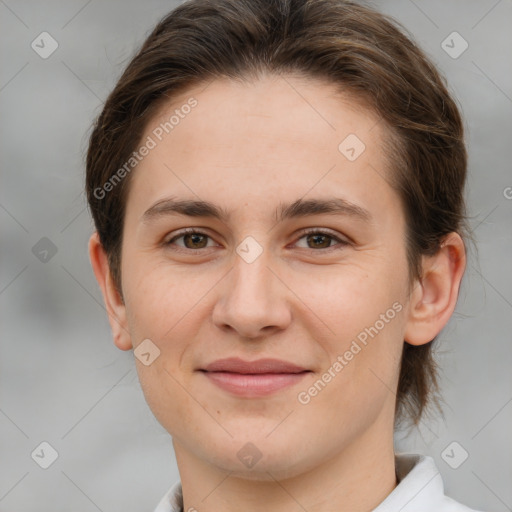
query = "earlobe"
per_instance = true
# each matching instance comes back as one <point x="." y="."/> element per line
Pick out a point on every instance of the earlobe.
<point x="116" y="309"/>
<point x="434" y="297"/>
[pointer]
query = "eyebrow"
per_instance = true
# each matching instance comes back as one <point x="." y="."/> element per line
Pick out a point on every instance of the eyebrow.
<point x="299" y="208"/>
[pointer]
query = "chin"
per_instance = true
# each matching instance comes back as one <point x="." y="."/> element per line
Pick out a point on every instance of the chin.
<point x="259" y="460"/>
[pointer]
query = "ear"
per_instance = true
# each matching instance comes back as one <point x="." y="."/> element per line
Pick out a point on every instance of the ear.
<point x="116" y="308"/>
<point x="434" y="297"/>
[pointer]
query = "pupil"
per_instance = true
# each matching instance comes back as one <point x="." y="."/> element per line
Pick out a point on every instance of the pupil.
<point x="317" y="237"/>
<point x="195" y="238"/>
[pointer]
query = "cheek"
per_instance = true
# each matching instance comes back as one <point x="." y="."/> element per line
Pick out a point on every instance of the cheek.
<point x="347" y="298"/>
<point x="363" y="309"/>
<point x="168" y="399"/>
<point x="159" y="304"/>
<point x="360" y="374"/>
<point x="160" y="296"/>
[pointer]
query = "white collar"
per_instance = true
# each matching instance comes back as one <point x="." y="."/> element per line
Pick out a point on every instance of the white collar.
<point x="420" y="489"/>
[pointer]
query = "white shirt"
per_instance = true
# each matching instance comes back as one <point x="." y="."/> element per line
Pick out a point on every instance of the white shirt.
<point x="420" y="489"/>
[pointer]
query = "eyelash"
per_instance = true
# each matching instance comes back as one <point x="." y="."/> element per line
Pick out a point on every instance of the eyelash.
<point x="310" y="231"/>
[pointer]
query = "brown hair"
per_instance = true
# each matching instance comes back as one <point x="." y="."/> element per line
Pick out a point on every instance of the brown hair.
<point x="354" y="47"/>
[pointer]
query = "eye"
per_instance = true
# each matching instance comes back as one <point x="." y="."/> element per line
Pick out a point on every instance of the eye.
<point x="192" y="240"/>
<point x="320" y="239"/>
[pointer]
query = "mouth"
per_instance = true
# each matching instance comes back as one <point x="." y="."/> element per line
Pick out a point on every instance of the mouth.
<point x="253" y="378"/>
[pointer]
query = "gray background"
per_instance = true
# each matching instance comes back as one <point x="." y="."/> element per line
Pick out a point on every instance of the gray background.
<point x="63" y="381"/>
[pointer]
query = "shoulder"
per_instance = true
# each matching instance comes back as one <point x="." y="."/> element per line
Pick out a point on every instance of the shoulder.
<point x="172" y="501"/>
<point x="420" y="488"/>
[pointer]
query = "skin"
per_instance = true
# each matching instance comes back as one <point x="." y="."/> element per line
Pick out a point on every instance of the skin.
<point x="248" y="148"/>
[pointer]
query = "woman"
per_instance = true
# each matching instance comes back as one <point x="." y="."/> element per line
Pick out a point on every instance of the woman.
<point x="278" y="194"/>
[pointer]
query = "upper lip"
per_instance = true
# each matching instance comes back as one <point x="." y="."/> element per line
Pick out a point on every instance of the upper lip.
<point x="237" y="365"/>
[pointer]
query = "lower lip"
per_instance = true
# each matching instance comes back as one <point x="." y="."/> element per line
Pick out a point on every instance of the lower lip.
<point x="254" y="385"/>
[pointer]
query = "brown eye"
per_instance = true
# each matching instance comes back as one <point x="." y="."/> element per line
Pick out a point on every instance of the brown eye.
<point x="195" y="241"/>
<point x="319" y="241"/>
<point x="316" y="239"/>
<point x="192" y="240"/>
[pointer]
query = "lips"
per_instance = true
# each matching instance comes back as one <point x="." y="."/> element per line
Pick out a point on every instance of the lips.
<point x="237" y="365"/>
<point x="253" y="378"/>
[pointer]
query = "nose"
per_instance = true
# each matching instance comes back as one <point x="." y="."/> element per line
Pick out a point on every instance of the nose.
<point x="253" y="301"/>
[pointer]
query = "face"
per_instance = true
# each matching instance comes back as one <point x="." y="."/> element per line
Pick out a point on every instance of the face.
<point x="275" y="275"/>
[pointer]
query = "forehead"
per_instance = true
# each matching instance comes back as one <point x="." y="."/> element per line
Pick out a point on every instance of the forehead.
<point x="273" y="137"/>
<point x="289" y="108"/>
